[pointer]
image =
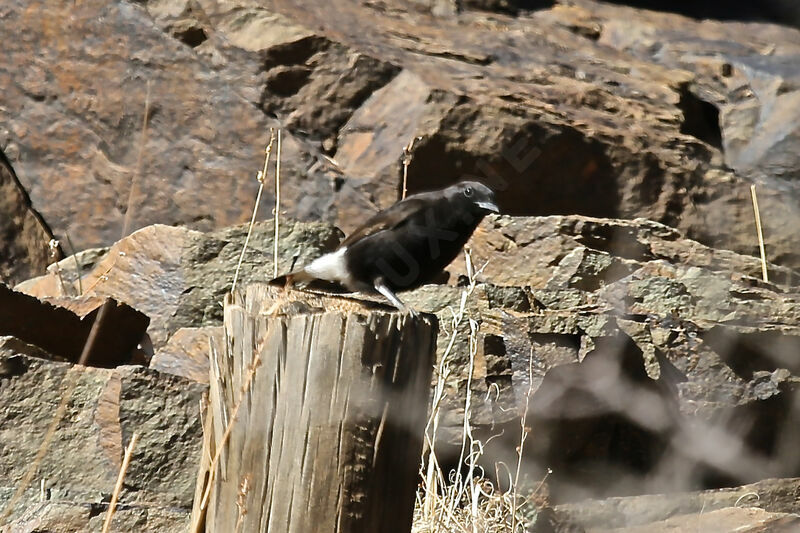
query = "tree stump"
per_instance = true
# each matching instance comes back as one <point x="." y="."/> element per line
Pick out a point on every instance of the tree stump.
<point x="328" y="434"/>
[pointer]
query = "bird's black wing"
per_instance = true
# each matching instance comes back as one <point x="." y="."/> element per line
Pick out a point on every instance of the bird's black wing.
<point x="389" y="218"/>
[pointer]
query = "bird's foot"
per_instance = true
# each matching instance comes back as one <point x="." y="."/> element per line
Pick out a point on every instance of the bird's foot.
<point x="381" y="287"/>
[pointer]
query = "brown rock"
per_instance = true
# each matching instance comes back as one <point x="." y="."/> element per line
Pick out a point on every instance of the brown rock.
<point x="145" y="263"/>
<point x="529" y="251"/>
<point x="609" y="129"/>
<point x="186" y="353"/>
<point x="74" y="122"/>
<point x="568" y="109"/>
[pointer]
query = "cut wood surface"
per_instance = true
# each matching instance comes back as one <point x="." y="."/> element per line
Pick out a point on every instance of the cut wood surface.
<point x="328" y="435"/>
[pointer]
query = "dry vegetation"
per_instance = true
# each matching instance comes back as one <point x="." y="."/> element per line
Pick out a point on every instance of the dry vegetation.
<point x="465" y="500"/>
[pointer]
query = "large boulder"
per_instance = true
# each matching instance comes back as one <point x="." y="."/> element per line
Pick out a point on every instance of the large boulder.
<point x="645" y="115"/>
<point x="76" y="426"/>
<point x="634" y="351"/>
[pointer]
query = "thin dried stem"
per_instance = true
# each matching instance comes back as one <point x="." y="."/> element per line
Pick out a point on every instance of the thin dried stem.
<point x="212" y="469"/>
<point x="523" y="435"/>
<point x="78" y="266"/>
<point x="261" y="177"/>
<point x="97" y="325"/>
<point x="120" y="478"/>
<point x="757" y="214"/>
<point x="277" y="208"/>
<point x="468" y="502"/>
<point x="407" y="161"/>
<point x="126" y="225"/>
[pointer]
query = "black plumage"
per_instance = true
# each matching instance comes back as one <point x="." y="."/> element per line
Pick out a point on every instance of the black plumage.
<point x="404" y="246"/>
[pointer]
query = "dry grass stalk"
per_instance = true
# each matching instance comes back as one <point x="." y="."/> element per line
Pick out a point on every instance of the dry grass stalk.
<point x="407" y="161"/>
<point x="277" y="208"/>
<point x="524" y="430"/>
<point x="261" y="177"/>
<point x="212" y="469"/>
<point x="757" y="214"/>
<point x="78" y="266"/>
<point x="463" y="503"/>
<point x="126" y="225"/>
<point x="97" y="325"/>
<point x="52" y="245"/>
<point x="101" y="278"/>
<point x="120" y="478"/>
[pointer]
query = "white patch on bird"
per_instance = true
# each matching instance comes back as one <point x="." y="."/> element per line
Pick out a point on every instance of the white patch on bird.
<point x="330" y="267"/>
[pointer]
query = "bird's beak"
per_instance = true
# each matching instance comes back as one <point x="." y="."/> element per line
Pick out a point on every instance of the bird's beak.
<point x="489" y="206"/>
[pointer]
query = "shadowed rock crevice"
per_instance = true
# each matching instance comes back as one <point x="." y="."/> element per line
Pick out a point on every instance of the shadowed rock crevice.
<point x="511" y="7"/>
<point x="535" y="171"/>
<point x="700" y="118"/>
<point x="778" y="11"/>
<point x="192" y="36"/>
<point x="294" y="53"/>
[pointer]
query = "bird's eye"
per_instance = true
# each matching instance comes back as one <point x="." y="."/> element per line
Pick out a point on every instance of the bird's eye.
<point x="468" y="192"/>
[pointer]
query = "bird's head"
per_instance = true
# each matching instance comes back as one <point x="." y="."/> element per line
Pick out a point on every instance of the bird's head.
<point x="477" y="197"/>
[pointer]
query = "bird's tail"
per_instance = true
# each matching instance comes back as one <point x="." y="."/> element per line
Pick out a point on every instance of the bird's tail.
<point x="298" y="277"/>
<point x="302" y="279"/>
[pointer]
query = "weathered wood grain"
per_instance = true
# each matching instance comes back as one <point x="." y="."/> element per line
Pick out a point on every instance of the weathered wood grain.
<point x="329" y="433"/>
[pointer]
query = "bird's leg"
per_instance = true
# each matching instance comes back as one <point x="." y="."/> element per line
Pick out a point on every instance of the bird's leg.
<point x="381" y="287"/>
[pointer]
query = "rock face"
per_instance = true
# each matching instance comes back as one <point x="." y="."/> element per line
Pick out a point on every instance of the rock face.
<point x="643" y="361"/>
<point x="100" y="409"/>
<point x="635" y="346"/>
<point x="587" y="108"/>
<point x="186" y="353"/>
<point x="74" y="127"/>
<point x="65" y="517"/>
<point x="580" y="315"/>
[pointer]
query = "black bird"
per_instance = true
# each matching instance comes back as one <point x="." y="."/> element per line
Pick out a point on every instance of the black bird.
<point x="404" y="246"/>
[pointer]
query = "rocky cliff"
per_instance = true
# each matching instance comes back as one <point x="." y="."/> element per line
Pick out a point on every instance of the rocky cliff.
<point x="620" y="301"/>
